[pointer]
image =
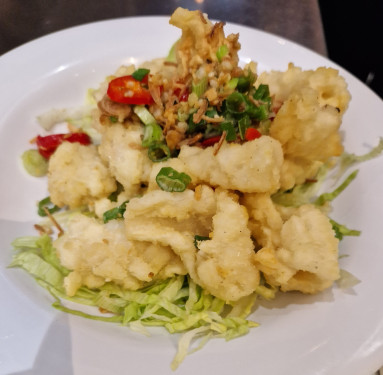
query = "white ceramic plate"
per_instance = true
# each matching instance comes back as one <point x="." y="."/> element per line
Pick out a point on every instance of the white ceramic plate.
<point x="336" y="332"/>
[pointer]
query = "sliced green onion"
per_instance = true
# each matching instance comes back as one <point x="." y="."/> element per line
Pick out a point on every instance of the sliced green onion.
<point x="46" y="203"/>
<point x="199" y="87"/>
<point x="158" y="152"/>
<point x="237" y="103"/>
<point x="232" y="84"/>
<point x="262" y="93"/>
<point x="258" y="113"/>
<point x="152" y="134"/>
<point x="246" y="81"/>
<point x="152" y="131"/>
<point x="193" y="127"/>
<point x="113" y="119"/>
<point x="145" y="116"/>
<point x="228" y="126"/>
<point x="115" y="213"/>
<point x="222" y="52"/>
<point x="243" y="123"/>
<point x="168" y="179"/>
<point x="140" y="74"/>
<point x="34" y="163"/>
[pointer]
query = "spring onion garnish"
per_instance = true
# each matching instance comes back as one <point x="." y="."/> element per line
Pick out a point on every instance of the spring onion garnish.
<point x="262" y="93"/>
<point x="115" y="213"/>
<point x="222" y="52"/>
<point x="46" y="204"/>
<point x="152" y="131"/>
<point x="199" y="87"/>
<point x="158" y="151"/>
<point x="34" y="163"/>
<point x="139" y="74"/>
<point x="237" y="104"/>
<point x="243" y="124"/>
<point x="232" y="84"/>
<point x="228" y="126"/>
<point x="246" y="82"/>
<point x="168" y="179"/>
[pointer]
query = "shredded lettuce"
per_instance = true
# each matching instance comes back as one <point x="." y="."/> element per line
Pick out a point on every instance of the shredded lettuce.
<point x="347" y="160"/>
<point x="327" y="197"/>
<point x="177" y="304"/>
<point x="341" y="230"/>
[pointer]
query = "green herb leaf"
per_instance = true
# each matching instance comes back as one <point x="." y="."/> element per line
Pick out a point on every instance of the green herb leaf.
<point x="140" y="74"/>
<point x="46" y="203"/>
<point x="115" y="213"/>
<point x="168" y="179"/>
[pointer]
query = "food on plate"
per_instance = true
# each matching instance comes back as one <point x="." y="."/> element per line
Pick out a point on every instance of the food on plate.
<point x="188" y="187"/>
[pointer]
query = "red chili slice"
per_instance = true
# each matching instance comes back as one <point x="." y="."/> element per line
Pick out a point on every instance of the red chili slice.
<point x="47" y="145"/>
<point x="128" y="90"/>
<point x="251" y="134"/>
<point x="210" y="141"/>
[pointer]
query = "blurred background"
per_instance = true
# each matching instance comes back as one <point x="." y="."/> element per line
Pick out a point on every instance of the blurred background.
<point x="349" y="33"/>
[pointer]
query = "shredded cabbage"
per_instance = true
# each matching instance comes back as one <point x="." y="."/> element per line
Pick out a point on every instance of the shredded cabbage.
<point x="177" y="304"/>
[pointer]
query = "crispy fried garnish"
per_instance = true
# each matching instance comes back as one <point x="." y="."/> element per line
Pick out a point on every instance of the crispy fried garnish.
<point x="218" y="145"/>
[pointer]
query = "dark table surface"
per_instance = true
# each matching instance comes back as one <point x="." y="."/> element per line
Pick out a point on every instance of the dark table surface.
<point x="25" y="20"/>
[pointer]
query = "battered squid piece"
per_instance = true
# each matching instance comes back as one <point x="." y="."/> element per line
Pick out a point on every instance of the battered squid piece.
<point x="254" y="166"/>
<point x="127" y="160"/>
<point x="77" y="176"/>
<point x="224" y="265"/>
<point x="299" y="249"/>
<point x="200" y="40"/>
<point x="97" y="253"/>
<point x="172" y="219"/>
<point x="307" y="123"/>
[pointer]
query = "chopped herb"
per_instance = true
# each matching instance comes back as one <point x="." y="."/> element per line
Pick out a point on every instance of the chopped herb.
<point x="113" y="119"/>
<point x="158" y="151"/>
